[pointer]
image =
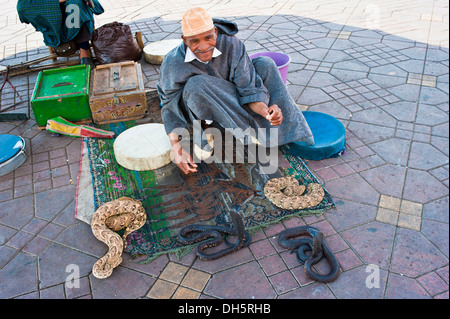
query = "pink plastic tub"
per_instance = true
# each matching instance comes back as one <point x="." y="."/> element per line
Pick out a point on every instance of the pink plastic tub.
<point x="281" y="60"/>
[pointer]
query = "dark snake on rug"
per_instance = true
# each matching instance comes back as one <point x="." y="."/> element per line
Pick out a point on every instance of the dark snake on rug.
<point x="193" y="234"/>
<point x="316" y="245"/>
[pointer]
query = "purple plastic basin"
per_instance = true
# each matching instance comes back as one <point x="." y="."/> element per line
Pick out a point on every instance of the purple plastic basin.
<point x="281" y="60"/>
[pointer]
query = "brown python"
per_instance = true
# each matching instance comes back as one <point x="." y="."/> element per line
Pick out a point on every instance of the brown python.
<point x="112" y="216"/>
<point x="285" y="192"/>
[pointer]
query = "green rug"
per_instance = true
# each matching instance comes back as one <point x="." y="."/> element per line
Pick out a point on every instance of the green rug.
<point x="173" y="200"/>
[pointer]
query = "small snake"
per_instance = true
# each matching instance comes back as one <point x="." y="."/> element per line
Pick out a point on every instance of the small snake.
<point x="316" y="245"/>
<point x="197" y="233"/>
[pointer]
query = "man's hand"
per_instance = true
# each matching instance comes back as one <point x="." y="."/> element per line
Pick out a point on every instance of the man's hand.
<point x="273" y="114"/>
<point x="182" y="158"/>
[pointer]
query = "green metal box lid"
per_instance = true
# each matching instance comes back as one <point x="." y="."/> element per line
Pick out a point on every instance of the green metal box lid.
<point x="64" y="81"/>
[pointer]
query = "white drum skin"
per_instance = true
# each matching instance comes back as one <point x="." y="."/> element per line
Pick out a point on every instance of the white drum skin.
<point x="142" y="148"/>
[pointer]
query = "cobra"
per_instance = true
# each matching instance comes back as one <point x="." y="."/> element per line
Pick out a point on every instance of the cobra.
<point x="318" y="247"/>
<point x="193" y="234"/>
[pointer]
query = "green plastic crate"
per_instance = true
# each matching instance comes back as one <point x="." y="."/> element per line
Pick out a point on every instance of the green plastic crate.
<point x="62" y="92"/>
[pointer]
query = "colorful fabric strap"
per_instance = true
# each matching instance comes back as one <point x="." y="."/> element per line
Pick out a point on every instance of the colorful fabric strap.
<point x="62" y="126"/>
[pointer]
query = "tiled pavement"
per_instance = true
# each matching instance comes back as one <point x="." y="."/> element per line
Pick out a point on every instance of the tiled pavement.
<point x="381" y="67"/>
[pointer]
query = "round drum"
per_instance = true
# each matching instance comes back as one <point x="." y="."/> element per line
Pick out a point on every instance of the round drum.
<point x="12" y="153"/>
<point x="142" y="148"/>
<point x="329" y="137"/>
<point x="155" y="52"/>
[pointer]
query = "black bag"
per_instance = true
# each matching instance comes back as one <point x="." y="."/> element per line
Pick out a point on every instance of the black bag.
<point x="114" y="42"/>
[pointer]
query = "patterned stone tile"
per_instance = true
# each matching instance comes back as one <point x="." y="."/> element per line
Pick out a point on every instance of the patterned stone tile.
<point x="413" y="255"/>
<point x="242" y="256"/>
<point x="195" y="280"/>
<point x="286" y="43"/>
<point x="50" y="203"/>
<point x="283" y="282"/>
<point x="313" y="291"/>
<point x="431" y="115"/>
<point x="437" y="233"/>
<point x="402" y="287"/>
<point x="390" y="202"/>
<point x="433" y="283"/>
<point x="132" y="285"/>
<point x="185" y="293"/>
<point x="424" y="156"/>
<point x="369" y="133"/>
<point x="77" y="291"/>
<point x="55" y="292"/>
<point x="372" y="242"/>
<point x="339" y="34"/>
<point x="81" y="237"/>
<point x="437" y="210"/>
<point x="387" y="179"/>
<point x="245" y="281"/>
<point x="393" y="150"/>
<point x="272" y="264"/>
<point x="387" y="216"/>
<point x="409" y="221"/>
<point x="354" y="188"/>
<point x="348" y="214"/>
<point x="422" y="187"/>
<point x="153" y="268"/>
<point x="22" y="266"/>
<point x="174" y="272"/>
<point x="420" y="79"/>
<point x="162" y="289"/>
<point x="352" y="284"/>
<point x="377" y="54"/>
<point x="16" y="213"/>
<point x="54" y="261"/>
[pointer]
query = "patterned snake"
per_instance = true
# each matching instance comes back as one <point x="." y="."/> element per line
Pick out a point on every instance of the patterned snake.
<point x="285" y="192"/>
<point x="316" y="245"/>
<point x="197" y="233"/>
<point x="112" y="216"/>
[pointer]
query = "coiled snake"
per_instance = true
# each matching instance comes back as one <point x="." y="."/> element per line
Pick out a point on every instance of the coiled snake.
<point x="115" y="215"/>
<point x="316" y="245"/>
<point x="285" y="192"/>
<point x="197" y="233"/>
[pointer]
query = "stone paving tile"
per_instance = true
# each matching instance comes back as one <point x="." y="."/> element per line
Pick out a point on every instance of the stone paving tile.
<point x="426" y="256"/>
<point x="245" y="281"/>
<point x="352" y="284"/>
<point x="388" y="84"/>
<point x="22" y="266"/>
<point x="364" y="238"/>
<point x="313" y="291"/>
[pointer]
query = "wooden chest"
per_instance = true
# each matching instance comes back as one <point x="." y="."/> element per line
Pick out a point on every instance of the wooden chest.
<point x="117" y="93"/>
<point x="62" y="92"/>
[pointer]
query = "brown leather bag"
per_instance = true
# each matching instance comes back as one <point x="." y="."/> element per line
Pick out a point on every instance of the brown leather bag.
<point x="114" y="42"/>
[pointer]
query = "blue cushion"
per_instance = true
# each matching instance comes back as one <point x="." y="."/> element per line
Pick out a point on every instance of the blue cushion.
<point x="10" y="145"/>
<point x="329" y="138"/>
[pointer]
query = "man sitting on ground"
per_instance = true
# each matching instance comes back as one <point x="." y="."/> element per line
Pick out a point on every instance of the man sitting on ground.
<point x="209" y="76"/>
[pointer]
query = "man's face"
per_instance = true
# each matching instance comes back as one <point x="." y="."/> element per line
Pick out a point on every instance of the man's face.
<point x="202" y="44"/>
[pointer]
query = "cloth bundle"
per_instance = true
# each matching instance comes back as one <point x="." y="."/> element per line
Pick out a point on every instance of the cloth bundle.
<point x="62" y="126"/>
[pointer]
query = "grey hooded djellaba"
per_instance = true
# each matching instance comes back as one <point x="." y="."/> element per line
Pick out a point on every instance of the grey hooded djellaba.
<point x="219" y="90"/>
